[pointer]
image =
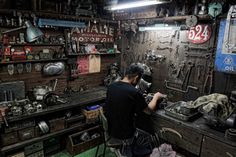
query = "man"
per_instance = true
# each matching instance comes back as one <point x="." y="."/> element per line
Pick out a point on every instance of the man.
<point x="123" y="102"/>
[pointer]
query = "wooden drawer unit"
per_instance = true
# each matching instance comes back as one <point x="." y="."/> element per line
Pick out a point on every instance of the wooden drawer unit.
<point x="178" y="134"/>
<point x="214" y="148"/>
<point x="75" y="145"/>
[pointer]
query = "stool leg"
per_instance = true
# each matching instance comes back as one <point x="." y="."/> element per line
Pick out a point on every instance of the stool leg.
<point x="97" y="151"/>
<point x="104" y="150"/>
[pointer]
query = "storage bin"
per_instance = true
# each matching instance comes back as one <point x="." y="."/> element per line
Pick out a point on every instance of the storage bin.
<point x="75" y="145"/>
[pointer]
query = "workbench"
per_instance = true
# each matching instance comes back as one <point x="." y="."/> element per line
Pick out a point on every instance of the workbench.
<point x="195" y="137"/>
<point x="74" y="100"/>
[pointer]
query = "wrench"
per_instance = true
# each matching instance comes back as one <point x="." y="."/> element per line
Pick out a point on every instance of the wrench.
<point x="179" y="90"/>
<point x="180" y="70"/>
<point x="144" y="34"/>
<point x="209" y="79"/>
<point x="187" y="75"/>
<point x="198" y="55"/>
<point x="199" y="67"/>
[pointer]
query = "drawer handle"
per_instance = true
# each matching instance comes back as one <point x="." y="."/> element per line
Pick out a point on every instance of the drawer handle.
<point x="229" y="154"/>
<point x="171" y="130"/>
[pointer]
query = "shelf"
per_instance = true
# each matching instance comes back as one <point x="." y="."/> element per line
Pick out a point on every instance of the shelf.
<point x="77" y="100"/>
<point x="34" y="61"/>
<point x="172" y="18"/>
<point x="84" y="54"/>
<point x="43" y="44"/>
<point x="43" y="137"/>
<point x="55" y="15"/>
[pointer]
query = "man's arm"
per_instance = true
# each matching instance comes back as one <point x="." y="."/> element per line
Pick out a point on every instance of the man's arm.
<point x="153" y="103"/>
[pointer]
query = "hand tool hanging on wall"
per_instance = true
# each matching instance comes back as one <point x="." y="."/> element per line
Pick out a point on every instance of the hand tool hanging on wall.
<point x="190" y="65"/>
<point x="144" y="37"/>
<point x="189" y="48"/>
<point x="200" y="68"/>
<point x="185" y="87"/>
<point x="181" y="70"/>
<point x="207" y="87"/>
<point x="178" y="89"/>
<point x="197" y="55"/>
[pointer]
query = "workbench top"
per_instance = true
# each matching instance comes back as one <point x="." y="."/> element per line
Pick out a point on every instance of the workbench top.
<point x="73" y="100"/>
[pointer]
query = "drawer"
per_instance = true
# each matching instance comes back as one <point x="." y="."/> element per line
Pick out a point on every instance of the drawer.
<point x="26" y="133"/>
<point x="214" y="148"/>
<point x="9" y="138"/>
<point x="37" y="154"/>
<point x="179" y="135"/>
<point x="33" y="148"/>
<point x="21" y="154"/>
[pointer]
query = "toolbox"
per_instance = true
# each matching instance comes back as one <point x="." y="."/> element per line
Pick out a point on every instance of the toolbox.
<point x="76" y="145"/>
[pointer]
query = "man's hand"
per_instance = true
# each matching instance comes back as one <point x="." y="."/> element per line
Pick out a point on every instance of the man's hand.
<point x="157" y="96"/>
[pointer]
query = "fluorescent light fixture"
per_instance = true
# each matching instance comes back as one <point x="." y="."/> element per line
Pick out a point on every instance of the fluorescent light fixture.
<point x="157" y="27"/>
<point x="136" y="4"/>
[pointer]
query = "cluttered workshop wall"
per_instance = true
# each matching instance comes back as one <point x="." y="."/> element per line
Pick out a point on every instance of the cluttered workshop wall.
<point x="54" y="18"/>
<point x="87" y="81"/>
<point x="35" y="78"/>
<point x="182" y="69"/>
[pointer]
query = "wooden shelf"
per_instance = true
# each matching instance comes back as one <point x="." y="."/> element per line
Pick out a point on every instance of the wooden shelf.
<point x="77" y="100"/>
<point x="55" y="15"/>
<point x="33" y="61"/>
<point x="37" y="139"/>
<point x="43" y="44"/>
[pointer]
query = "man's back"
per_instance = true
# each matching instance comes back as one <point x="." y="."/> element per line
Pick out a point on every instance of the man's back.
<point x="123" y="101"/>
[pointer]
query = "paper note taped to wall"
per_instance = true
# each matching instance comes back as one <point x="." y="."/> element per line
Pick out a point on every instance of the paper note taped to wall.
<point x="94" y="63"/>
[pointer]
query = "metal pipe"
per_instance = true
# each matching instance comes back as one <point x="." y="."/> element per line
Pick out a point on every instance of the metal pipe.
<point x="13" y="30"/>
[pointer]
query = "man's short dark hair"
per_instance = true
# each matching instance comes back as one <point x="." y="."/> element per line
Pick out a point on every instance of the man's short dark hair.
<point x="134" y="70"/>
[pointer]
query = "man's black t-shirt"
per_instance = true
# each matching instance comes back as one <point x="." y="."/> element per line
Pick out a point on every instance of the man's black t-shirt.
<point x="123" y="101"/>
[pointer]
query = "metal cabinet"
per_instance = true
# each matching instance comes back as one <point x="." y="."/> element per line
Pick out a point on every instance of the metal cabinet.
<point x="215" y="148"/>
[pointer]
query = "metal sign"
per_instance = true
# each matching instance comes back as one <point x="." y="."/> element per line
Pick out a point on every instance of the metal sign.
<point x="226" y="49"/>
<point x="199" y="34"/>
<point x="95" y="34"/>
